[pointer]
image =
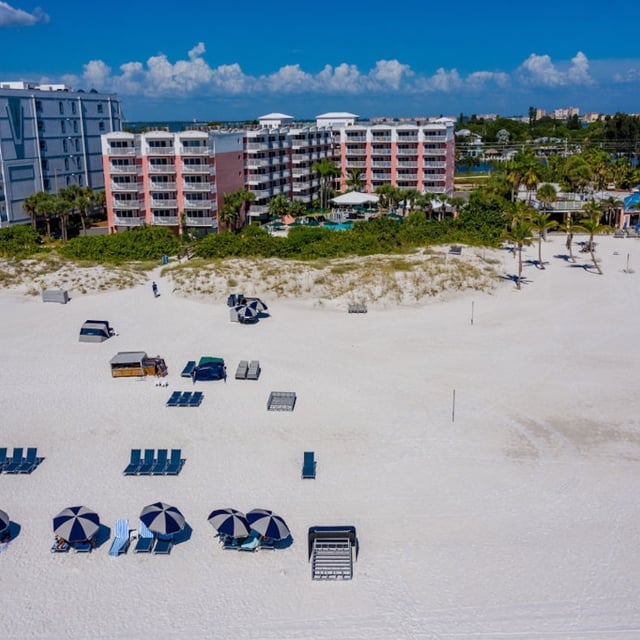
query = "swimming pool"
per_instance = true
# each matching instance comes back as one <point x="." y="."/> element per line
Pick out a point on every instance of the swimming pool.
<point x="338" y="226"/>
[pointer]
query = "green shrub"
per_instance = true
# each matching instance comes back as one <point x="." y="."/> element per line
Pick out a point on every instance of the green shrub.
<point x="19" y="241"/>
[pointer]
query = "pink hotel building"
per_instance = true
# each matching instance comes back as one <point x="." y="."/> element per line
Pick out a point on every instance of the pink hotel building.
<point x="166" y="178"/>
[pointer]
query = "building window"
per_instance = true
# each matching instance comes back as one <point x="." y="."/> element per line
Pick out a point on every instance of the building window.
<point x="47" y="184"/>
<point x="44" y="164"/>
<point x="75" y="124"/>
<point x="66" y="164"/>
<point x="63" y="128"/>
<point x="61" y="107"/>
<point x="64" y="146"/>
<point x="101" y="126"/>
<point x="40" y="125"/>
<point x="73" y="108"/>
<point x="100" y="107"/>
<point x="43" y="145"/>
<point x="39" y="106"/>
<point x="77" y="145"/>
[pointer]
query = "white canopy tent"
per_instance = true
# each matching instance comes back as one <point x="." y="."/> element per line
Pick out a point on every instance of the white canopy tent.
<point x="353" y="198"/>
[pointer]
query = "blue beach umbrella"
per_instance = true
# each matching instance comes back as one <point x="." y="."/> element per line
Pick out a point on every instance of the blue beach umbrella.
<point x="230" y="522"/>
<point x="76" y="524"/>
<point x="268" y="524"/>
<point x="4" y="521"/>
<point x="162" y="518"/>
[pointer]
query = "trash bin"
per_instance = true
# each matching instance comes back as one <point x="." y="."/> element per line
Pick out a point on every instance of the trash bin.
<point x="231" y="300"/>
<point x="165" y="259"/>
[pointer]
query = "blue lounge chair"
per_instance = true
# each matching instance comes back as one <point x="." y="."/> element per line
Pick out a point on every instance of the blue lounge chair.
<point x="251" y="543"/>
<point x="145" y="540"/>
<point x="185" y="398"/>
<point x="309" y="465"/>
<point x="160" y="465"/>
<point x="196" y="399"/>
<point x="173" y="400"/>
<point x="134" y="464"/>
<point x="188" y="369"/>
<point x="3" y="457"/>
<point x="30" y="462"/>
<point x="175" y="463"/>
<point x="147" y="463"/>
<point x="83" y="547"/>
<point x="120" y="543"/>
<point x="15" y="462"/>
<point x="163" y="545"/>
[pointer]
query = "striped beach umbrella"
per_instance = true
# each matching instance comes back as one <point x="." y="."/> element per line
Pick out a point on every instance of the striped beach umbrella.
<point x="162" y="518"/>
<point x="245" y="312"/>
<point x="256" y="304"/>
<point x="268" y="524"/>
<point x="76" y="524"/>
<point x="229" y="522"/>
<point x="4" y="521"/>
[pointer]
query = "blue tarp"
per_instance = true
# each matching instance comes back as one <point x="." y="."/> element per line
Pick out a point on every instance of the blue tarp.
<point x="632" y="201"/>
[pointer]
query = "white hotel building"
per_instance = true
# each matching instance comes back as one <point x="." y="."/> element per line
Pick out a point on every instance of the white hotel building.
<point x="50" y="139"/>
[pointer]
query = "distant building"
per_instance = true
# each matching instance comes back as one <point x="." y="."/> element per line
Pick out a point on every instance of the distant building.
<point x="50" y="139"/>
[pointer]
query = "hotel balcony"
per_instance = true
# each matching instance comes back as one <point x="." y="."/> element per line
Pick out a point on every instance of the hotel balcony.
<point x="193" y="151"/>
<point x="381" y="176"/>
<point x="301" y="171"/>
<point x="410" y="151"/>
<point x="166" y="221"/>
<point x="201" y="221"/>
<point x="355" y="137"/>
<point x="162" y="186"/>
<point x="124" y="186"/>
<point x="381" y="151"/>
<point x="157" y="167"/>
<point x="261" y="193"/>
<point x="434" y="138"/>
<point x="202" y="187"/>
<point x="125" y="204"/>
<point x="434" y="165"/>
<point x="121" y="169"/>
<point x="257" y="146"/>
<point x="198" y="168"/>
<point x="121" y="151"/>
<point x="407" y="164"/>
<point x="159" y="151"/>
<point x="128" y="221"/>
<point x="407" y="137"/>
<point x="156" y="203"/>
<point x="198" y="204"/>
<point x="356" y="164"/>
<point x="380" y="164"/>
<point x="380" y="137"/>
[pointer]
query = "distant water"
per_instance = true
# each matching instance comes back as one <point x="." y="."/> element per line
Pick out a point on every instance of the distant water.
<point x="173" y="125"/>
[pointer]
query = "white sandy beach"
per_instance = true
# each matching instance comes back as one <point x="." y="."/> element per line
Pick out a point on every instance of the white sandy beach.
<point x="518" y="520"/>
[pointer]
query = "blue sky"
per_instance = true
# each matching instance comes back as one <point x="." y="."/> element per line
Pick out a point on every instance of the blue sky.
<point x="217" y="60"/>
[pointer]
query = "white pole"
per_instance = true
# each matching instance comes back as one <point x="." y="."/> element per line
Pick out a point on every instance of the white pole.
<point x="453" y="407"/>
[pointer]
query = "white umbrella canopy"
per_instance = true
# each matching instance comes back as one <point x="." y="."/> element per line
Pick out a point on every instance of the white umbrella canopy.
<point x="162" y="518"/>
<point x="354" y="198"/>
<point x="76" y="524"/>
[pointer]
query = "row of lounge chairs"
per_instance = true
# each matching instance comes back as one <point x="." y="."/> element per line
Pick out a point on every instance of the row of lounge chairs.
<point x="253" y="542"/>
<point x="151" y="465"/>
<point x="185" y="399"/>
<point x="18" y="462"/>
<point x="248" y="370"/>
<point x="146" y="542"/>
<point x="357" y="308"/>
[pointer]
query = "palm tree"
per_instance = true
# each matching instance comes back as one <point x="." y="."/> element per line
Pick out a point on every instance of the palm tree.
<point x="520" y="232"/>
<point x="570" y="228"/>
<point x="355" y="179"/>
<point x="546" y="194"/>
<point x="232" y="205"/>
<point x="30" y="205"/>
<point x="542" y="223"/>
<point x="45" y="207"/>
<point x="409" y="196"/>
<point x="610" y="206"/>
<point x="327" y="170"/>
<point x="279" y="206"/>
<point x="593" y="226"/>
<point x="63" y="208"/>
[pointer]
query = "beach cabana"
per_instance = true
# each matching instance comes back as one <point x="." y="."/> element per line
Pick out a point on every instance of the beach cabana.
<point x="209" y="368"/>
<point x="127" y="364"/>
<point x="95" y="331"/>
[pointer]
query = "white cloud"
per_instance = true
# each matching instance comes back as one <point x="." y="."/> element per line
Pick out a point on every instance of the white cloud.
<point x="193" y="77"/>
<point x="541" y="71"/>
<point x="11" y="17"/>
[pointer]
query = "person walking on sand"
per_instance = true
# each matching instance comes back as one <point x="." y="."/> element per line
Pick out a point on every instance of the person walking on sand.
<point x="154" y="287"/>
